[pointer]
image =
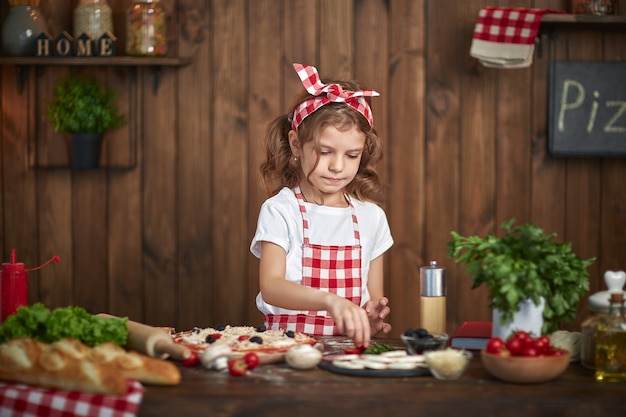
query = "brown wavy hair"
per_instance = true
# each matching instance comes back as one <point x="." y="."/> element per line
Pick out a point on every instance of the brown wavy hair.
<point x="279" y="168"/>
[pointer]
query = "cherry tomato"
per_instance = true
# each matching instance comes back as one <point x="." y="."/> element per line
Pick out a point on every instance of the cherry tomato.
<point x="542" y="344"/>
<point x="355" y="350"/>
<point x="192" y="360"/>
<point x="251" y="359"/>
<point x="515" y="345"/>
<point x="495" y="345"/>
<point x="237" y="367"/>
<point x="525" y="338"/>
<point x="530" y="352"/>
<point x="555" y="352"/>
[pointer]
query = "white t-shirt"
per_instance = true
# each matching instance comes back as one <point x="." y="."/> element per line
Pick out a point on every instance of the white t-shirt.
<point x="280" y="222"/>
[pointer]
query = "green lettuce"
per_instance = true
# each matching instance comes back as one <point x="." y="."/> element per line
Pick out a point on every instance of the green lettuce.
<point x="40" y="323"/>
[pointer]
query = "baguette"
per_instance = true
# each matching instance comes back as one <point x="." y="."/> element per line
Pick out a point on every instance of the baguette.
<point x="28" y="361"/>
<point x="135" y="365"/>
<point x="70" y="365"/>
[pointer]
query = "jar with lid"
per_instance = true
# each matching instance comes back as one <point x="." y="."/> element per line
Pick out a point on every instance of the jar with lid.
<point x="611" y="342"/>
<point x="595" y="7"/>
<point x="598" y="309"/>
<point x="146" y="29"/>
<point x="93" y="17"/>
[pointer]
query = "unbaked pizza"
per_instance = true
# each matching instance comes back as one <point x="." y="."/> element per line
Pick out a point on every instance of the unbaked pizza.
<point x="270" y="345"/>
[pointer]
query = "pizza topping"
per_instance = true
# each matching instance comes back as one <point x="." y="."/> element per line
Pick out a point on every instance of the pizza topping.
<point x="242" y="339"/>
<point x="209" y="358"/>
<point x="261" y="328"/>
<point x="212" y="337"/>
<point x="237" y="367"/>
<point x="396" y="359"/>
<point x="192" y="360"/>
<point x="251" y="359"/>
<point x="303" y="357"/>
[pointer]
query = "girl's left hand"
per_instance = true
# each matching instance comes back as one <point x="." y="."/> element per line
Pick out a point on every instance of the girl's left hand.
<point x="377" y="312"/>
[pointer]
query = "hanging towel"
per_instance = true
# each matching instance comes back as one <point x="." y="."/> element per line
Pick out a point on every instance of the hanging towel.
<point x="504" y="37"/>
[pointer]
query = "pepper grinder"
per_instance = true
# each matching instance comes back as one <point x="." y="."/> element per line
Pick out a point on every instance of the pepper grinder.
<point x="433" y="298"/>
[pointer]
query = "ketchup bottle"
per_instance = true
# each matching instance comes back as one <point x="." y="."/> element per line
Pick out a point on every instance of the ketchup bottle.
<point x="14" y="285"/>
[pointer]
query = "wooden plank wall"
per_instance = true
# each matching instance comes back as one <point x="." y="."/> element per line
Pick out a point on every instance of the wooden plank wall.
<point x="166" y="242"/>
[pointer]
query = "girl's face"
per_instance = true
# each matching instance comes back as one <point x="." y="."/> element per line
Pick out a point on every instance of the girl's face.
<point x="339" y="159"/>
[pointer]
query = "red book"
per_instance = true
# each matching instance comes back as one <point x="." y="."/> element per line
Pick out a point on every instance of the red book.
<point x="471" y="335"/>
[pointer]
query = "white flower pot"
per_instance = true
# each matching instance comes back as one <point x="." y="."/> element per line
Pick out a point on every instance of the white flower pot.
<point x="528" y="318"/>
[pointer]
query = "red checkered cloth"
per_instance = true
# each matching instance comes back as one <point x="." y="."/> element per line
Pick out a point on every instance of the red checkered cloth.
<point x="504" y="37"/>
<point x="17" y="400"/>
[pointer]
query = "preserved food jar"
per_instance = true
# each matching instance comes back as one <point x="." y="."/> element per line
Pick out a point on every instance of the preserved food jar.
<point x="598" y="309"/>
<point x="94" y="17"/>
<point x="146" y="29"/>
<point x="595" y="7"/>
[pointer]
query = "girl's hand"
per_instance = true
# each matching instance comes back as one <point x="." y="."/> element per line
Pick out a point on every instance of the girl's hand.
<point x="351" y="320"/>
<point x="377" y="312"/>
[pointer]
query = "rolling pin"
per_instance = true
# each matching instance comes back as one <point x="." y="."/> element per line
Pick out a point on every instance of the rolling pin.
<point x="152" y="341"/>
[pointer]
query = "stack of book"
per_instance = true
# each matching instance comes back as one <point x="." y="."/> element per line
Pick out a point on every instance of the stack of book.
<point x="471" y="335"/>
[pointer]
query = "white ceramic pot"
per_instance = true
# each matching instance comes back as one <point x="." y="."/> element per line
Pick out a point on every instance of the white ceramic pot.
<point x="528" y="318"/>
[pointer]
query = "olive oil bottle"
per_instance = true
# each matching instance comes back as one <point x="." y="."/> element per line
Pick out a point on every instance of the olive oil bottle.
<point x="611" y="343"/>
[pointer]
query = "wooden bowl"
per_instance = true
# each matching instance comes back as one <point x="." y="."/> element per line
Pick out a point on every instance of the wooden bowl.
<point x="526" y="370"/>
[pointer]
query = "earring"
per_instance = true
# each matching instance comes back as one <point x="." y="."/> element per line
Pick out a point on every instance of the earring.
<point x="295" y="158"/>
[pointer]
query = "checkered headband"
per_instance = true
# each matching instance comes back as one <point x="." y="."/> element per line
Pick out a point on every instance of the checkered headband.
<point x="327" y="93"/>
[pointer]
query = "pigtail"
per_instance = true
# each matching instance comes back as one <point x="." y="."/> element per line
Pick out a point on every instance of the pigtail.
<point x="279" y="169"/>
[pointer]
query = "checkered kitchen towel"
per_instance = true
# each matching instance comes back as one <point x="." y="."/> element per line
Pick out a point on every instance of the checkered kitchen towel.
<point x="504" y="37"/>
<point x="19" y="400"/>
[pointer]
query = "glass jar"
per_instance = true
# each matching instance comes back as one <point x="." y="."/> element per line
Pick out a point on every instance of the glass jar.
<point x="21" y="29"/>
<point x="588" y="338"/>
<point x="611" y="343"/>
<point x="598" y="309"/>
<point x="93" y="17"/>
<point x="595" y="7"/>
<point x="146" y="29"/>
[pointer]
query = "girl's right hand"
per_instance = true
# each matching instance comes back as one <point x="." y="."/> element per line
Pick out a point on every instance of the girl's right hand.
<point x="351" y="320"/>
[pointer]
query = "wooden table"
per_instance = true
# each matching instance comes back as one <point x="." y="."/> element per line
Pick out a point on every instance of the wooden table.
<point x="277" y="390"/>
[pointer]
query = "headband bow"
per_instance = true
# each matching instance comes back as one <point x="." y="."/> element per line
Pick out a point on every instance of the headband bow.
<point x="327" y="93"/>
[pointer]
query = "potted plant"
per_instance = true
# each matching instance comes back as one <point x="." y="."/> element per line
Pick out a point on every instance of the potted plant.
<point x="86" y="109"/>
<point x="525" y="265"/>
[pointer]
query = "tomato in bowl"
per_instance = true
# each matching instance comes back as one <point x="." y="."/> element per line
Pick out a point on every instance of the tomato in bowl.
<point x="524" y="359"/>
<point x="526" y="369"/>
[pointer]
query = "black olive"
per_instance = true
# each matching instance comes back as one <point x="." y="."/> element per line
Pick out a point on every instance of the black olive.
<point x="409" y="333"/>
<point x="261" y="328"/>
<point x="290" y="333"/>
<point x="220" y="327"/>
<point x="210" y="339"/>
<point x="256" y="339"/>
<point x="421" y="333"/>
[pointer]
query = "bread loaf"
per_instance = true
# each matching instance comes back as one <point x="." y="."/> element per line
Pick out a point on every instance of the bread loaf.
<point x="70" y="365"/>
<point x="31" y="362"/>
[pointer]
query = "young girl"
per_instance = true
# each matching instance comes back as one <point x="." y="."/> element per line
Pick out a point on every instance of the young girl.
<point x="321" y="236"/>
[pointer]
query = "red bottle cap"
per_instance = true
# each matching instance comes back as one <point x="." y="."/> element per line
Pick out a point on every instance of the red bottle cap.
<point x="14" y="266"/>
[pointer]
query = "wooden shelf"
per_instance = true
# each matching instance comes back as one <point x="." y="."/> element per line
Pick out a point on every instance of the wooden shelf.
<point x="155" y="63"/>
<point x="123" y="61"/>
<point x="583" y="22"/>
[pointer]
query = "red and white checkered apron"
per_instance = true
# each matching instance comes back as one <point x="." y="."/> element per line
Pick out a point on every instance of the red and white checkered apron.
<point x="334" y="269"/>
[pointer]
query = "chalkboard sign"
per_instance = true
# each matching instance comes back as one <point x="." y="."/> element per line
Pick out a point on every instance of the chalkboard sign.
<point x="587" y="108"/>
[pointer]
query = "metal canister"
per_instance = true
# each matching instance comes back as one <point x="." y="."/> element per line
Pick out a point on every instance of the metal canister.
<point x="433" y="298"/>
